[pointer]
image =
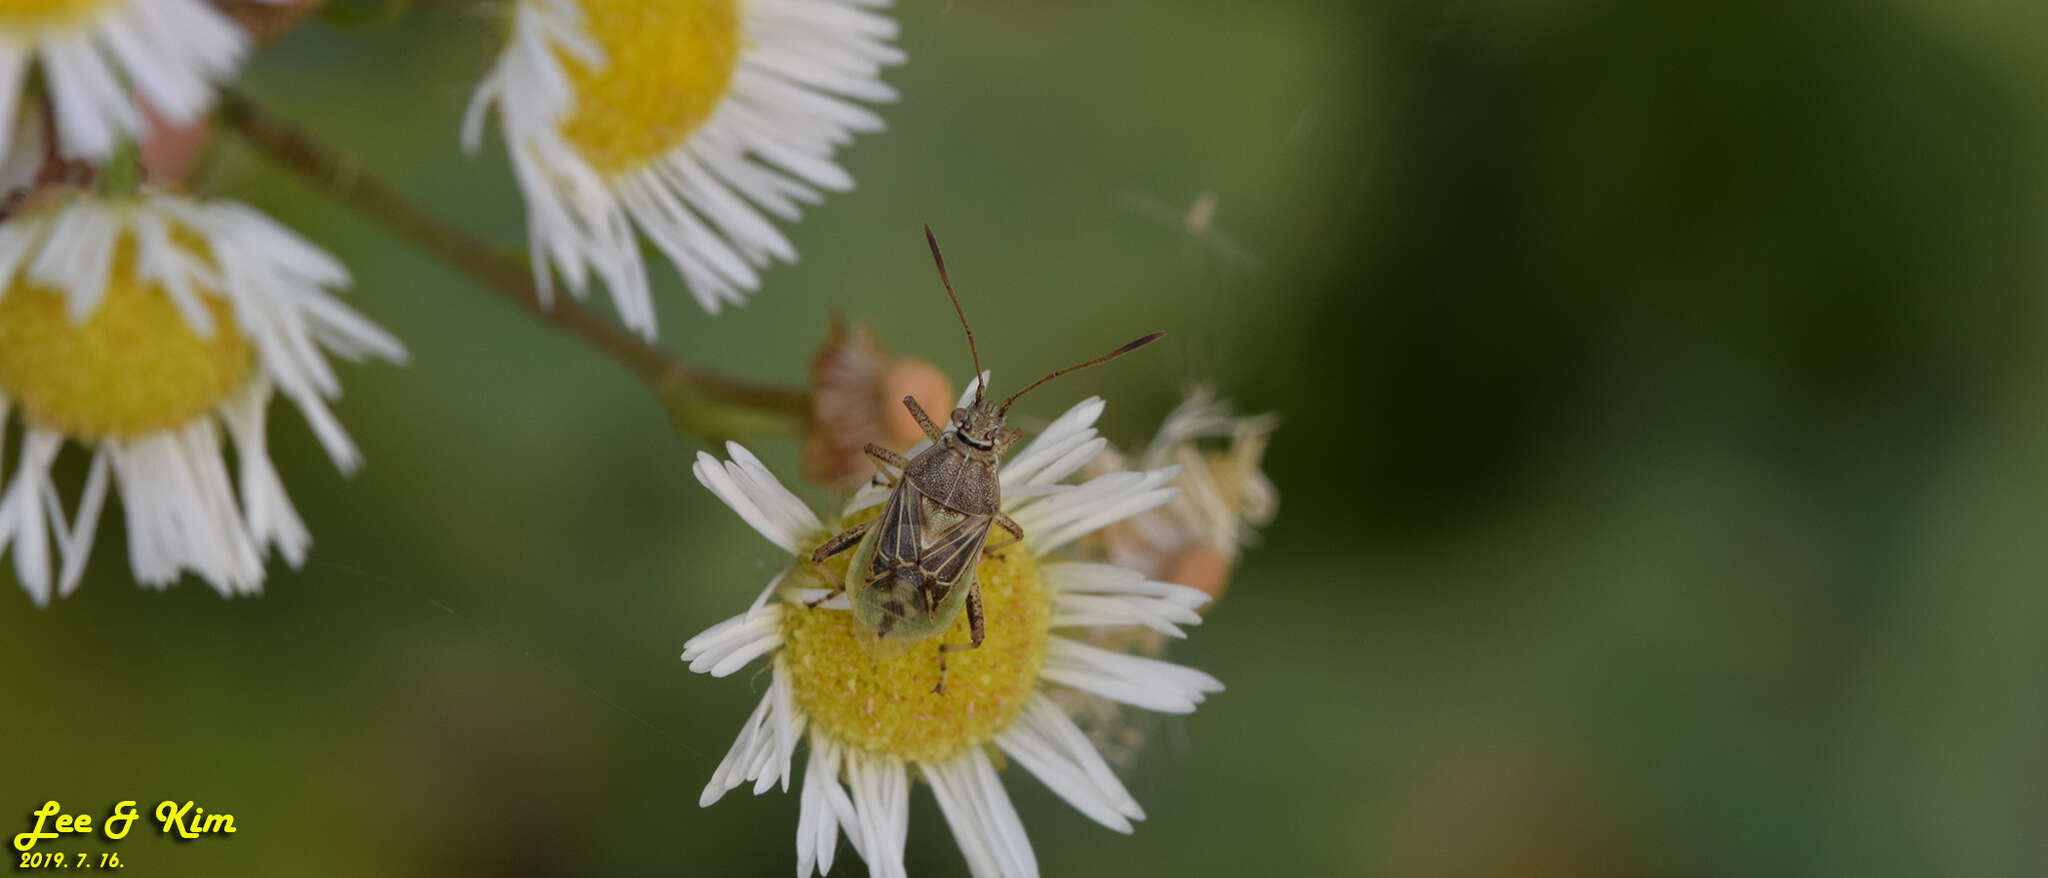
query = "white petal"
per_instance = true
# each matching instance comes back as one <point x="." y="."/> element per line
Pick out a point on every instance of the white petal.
<point x="181" y="511"/>
<point x="77" y="548"/>
<point x="730" y="645"/>
<point x="870" y="494"/>
<point x="762" y="751"/>
<point x="1104" y="594"/>
<point x="23" y="524"/>
<point x="1071" y="430"/>
<point x="974" y="387"/>
<point x="881" y="805"/>
<point x="823" y="808"/>
<point x="951" y="788"/>
<point x="732" y="770"/>
<point x="1135" y="680"/>
<point x="785" y="726"/>
<point x="1054" y="521"/>
<point x="272" y="520"/>
<point x="1086" y="577"/>
<point x="760" y="603"/>
<point x="785" y="506"/>
<point x="1003" y="829"/>
<point x="758" y="497"/>
<point x="1053" y="749"/>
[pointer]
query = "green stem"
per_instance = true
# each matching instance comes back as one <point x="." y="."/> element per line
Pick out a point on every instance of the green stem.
<point x="699" y="402"/>
<point x="122" y="173"/>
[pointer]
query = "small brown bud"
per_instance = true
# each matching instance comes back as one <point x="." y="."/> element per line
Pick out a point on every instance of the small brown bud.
<point x="1200" y="566"/>
<point x="857" y="391"/>
<point x="168" y="151"/>
<point x="919" y="379"/>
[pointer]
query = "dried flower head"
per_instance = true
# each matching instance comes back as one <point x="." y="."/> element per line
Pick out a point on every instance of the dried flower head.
<point x="1195" y="539"/>
<point x="1225" y="496"/>
<point x="857" y="391"/>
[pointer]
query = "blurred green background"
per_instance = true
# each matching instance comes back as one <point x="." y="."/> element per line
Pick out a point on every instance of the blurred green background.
<point x="1666" y="393"/>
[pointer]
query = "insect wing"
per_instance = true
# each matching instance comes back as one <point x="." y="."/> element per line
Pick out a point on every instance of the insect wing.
<point x="949" y="606"/>
<point x="897" y="534"/>
<point x="889" y="613"/>
<point x="952" y="556"/>
<point x="891" y="616"/>
<point x="885" y="579"/>
<point x="857" y="569"/>
<point x="882" y="629"/>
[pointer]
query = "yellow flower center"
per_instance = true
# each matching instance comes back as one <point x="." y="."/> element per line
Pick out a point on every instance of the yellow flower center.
<point x="26" y="13"/>
<point x="134" y="366"/>
<point x="668" y="64"/>
<point x="888" y="707"/>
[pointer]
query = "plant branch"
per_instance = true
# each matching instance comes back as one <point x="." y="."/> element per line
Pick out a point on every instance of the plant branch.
<point x="701" y="403"/>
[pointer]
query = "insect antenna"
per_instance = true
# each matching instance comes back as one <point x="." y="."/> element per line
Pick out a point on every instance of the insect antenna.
<point x="1127" y="348"/>
<point x="941" y="262"/>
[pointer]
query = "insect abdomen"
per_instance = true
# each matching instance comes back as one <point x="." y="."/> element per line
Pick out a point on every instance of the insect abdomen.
<point x="889" y="602"/>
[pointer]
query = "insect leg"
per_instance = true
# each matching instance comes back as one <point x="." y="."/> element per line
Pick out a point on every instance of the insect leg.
<point x="885" y="456"/>
<point x="924" y="421"/>
<point x="846" y="539"/>
<point x="1009" y="524"/>
<point x="975" y="630"/>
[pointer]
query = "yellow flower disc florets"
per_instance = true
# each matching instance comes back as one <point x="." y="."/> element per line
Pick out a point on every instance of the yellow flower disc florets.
<point x="668" y="62"/>
<point x="133" y="366"/>
<point x="24" y="13"/>
<point x="888" y="707"/>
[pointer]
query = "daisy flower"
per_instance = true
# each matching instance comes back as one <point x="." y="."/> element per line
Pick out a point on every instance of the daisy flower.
<point x="141" y="327"/>
<point x="871" y="725"/>
<point x="692" y="121"/>
<point x="101" y="60"/>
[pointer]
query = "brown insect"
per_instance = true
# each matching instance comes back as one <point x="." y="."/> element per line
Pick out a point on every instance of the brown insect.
<point x="913" y="566"/>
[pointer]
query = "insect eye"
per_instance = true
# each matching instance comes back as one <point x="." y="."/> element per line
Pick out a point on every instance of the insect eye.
<point x="960" y="416"/>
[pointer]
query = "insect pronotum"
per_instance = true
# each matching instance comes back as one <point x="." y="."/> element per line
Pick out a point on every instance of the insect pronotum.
<point x="913" y="566"/>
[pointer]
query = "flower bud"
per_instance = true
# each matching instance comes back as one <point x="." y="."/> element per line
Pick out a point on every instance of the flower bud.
<point x="857" y="391"/>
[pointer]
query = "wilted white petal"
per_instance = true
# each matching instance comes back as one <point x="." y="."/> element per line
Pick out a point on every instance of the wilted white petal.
<point x="1135" y="680"/>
